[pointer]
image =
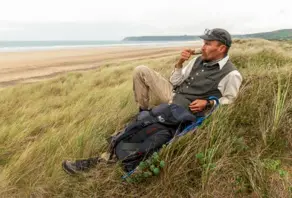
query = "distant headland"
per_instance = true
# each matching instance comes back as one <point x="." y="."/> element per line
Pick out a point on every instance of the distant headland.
<point x="283" y="34"/>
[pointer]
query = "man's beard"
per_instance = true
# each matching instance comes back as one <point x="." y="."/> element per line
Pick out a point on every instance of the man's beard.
<point x="205" y="59"/>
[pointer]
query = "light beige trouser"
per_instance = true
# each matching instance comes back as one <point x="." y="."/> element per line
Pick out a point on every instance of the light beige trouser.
<point x="149" y="83"/>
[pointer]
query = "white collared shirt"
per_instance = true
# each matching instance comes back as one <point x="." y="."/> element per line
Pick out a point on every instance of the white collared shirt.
<point x="228" y="86"/>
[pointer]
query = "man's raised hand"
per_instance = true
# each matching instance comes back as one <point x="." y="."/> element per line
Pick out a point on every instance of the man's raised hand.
<point x="184" y="56"/>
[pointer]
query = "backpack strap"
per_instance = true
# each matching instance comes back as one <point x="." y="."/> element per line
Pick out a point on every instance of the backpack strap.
<point x="138" y="125"/>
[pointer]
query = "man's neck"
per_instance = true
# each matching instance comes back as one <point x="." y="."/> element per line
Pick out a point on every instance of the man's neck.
<point x="215" y="60"/>
<point x="221" y="62"/>
<point x="211" y="63"/>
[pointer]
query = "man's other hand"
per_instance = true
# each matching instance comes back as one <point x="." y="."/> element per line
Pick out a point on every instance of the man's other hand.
<point x="198" y="105"/>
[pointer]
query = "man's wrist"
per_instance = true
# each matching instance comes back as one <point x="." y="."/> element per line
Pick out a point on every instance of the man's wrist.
<point x="209" y="104"/>
<point x="179" y="64"/>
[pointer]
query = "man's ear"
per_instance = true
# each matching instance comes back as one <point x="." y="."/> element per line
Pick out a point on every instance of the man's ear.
<point x="222" y="48"/>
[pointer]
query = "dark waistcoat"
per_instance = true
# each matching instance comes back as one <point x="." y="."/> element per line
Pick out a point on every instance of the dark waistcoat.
<point x="202" y="82"/>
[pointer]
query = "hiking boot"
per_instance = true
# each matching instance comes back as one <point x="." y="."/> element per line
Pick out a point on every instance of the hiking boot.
<point x="74" y="167"/>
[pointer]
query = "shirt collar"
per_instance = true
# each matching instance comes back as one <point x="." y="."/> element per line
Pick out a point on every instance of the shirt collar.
<point x="220" y="62"/>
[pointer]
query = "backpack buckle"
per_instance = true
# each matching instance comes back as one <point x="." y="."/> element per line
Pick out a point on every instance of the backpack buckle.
<point x="160" y="119"/>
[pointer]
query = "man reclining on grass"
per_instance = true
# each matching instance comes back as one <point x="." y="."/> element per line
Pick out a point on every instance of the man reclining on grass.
<point x="211" y="74"/>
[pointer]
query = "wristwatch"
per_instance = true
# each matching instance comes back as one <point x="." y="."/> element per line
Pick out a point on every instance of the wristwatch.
<point x="208" y="105"/>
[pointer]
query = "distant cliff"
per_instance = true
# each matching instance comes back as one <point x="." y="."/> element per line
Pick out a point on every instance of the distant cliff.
<point x="284" y="34"/>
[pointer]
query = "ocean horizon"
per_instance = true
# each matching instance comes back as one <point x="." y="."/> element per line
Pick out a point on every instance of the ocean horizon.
<point x="15" y="46"/>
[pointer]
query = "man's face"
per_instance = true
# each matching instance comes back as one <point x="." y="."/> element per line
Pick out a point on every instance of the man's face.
<point x="212" y="50"/>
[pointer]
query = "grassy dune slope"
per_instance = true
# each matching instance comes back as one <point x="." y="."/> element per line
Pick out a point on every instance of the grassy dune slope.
<point x="243" y="151"/>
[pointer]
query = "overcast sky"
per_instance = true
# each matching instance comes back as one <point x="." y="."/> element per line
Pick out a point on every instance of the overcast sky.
<point x="116" y="19"/>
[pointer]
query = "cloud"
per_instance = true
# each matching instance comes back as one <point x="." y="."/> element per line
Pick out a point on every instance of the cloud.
<point x="113" y="20"/>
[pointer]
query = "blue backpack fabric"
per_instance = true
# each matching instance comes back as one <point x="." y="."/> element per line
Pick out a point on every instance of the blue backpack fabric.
<point x="148" y="133"/>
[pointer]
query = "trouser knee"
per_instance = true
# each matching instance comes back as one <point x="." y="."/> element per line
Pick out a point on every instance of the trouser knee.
<point x="140" y="70"/>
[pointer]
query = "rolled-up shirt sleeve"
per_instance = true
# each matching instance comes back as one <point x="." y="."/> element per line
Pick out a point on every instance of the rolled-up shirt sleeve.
<point x="177" y="76"/>
<point x="229" y="87"/>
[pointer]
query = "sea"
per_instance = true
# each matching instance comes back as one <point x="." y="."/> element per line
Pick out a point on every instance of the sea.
<point x="16" y="46"/>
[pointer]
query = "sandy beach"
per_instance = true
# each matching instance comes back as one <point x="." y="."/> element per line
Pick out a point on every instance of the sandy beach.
<point x="31" y="66"/>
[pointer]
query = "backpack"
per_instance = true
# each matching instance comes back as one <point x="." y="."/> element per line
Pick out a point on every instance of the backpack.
<point x="148" y="133"/>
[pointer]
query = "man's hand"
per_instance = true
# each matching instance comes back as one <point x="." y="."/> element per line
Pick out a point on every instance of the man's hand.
<point x="184" y="56"/>
<point x="198" y="105"/>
